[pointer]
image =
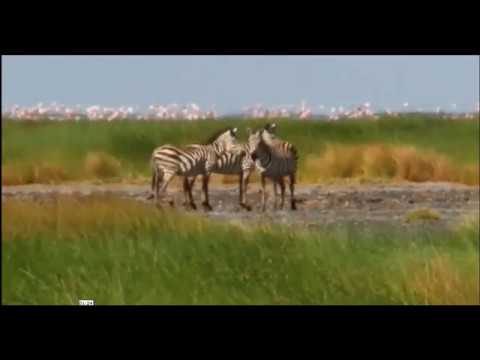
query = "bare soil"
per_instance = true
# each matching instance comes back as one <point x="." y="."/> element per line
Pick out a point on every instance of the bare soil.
<point x="318" y="205"/>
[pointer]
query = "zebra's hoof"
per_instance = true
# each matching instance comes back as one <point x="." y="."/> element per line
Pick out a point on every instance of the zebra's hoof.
<point x="171" y="203"/>
<point x="294" y="207"/>
<point x="188" y="205"/>
<point x="150" y="197"/>
<point x="246" y="207"/>
<point x="207" y="206"/>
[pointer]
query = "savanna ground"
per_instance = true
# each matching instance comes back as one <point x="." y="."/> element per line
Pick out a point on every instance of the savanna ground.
<point x="388" y="214"/>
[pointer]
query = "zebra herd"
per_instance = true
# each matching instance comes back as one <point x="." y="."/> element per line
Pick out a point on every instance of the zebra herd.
<point x="264" y="152"/>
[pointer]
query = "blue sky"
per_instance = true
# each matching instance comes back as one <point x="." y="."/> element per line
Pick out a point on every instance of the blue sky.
<point x="233" y="82"/>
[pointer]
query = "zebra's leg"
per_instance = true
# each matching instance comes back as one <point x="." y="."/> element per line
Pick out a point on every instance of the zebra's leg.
<point x="192" y="183"/>
<point x="275" y="191"/>
<point x="154" y="179"/>
<point x="158" y="176"/>
<point x="292" y="191"/>
<point x="244" y="176"/>
<point x="263" y="192"/>
<point x="187" y="192"/>
<point x="282" y="190"/>
<point x="206" y="203"/>
<point x="153" y="184"/>
<point x="161" y="190"/>
<point x="190" y="195"/>
<point x="240" y="188"/>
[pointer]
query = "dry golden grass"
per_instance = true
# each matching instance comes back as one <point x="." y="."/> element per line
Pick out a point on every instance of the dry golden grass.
<point x="470" y="175"/>
<point x="411" y="165"/>
<point x="102" y="165"/>
<point x="15" y="175"/>
<point x="68" y="217"/>
<point x="387" y="162"/>
<point x="49" y="173"/>
<point x="378" y="161"/>
<point x="338" y="162"/>
<point x="66" y="212"/>
<point x="439" y="282"/>
<point x="44" y="173"/>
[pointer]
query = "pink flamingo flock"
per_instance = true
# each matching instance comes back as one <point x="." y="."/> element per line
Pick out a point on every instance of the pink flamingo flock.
<point x="96" y="112"/>
<point x="193" y="112"/>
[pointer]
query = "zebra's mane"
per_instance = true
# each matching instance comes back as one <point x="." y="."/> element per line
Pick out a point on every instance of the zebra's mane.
<point x="260" y="131"/>
<point x="214" y="137"/>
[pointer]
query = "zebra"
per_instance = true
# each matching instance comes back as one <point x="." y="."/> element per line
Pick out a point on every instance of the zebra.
<point x="274" y="159"/>
<point x="192" y="160"/>
<point x="234" y="162"/>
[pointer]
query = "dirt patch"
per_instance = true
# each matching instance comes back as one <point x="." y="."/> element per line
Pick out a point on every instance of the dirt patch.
<point x="318" y="205"/>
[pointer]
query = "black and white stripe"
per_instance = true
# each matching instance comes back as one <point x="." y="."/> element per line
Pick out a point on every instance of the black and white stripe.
<point x="235" y="162"/>
<point x="274" y="159"/>
<point x="168" y="161"/>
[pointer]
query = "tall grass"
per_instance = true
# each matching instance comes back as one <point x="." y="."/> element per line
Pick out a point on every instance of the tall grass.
<point x="387" y="162"/>
<point x="66" y="146"/>
<point x="123" y="252"/>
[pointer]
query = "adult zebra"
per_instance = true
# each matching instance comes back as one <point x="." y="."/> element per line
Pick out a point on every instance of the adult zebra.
<point x="193" y="160"/>
<point x="274" y="159"/>
<point x="234" y="162"/>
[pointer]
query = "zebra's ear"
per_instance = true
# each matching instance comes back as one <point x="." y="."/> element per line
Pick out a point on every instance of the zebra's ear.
<point x="234" y="131"/>
<point x="272" y="127"/>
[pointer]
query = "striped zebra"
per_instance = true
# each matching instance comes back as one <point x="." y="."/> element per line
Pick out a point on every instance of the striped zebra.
<point x="274" y="159"/>
<point x="234" y="162"/>
<point x="193" y="160"/>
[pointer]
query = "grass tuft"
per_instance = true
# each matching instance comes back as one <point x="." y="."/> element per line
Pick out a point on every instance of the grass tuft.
<point x="44" y="173"/>
<point x="102" y="165"/>
<point x="405" y="163"/>
<point x="422" y="215"/>
<point x="440" y="282"/>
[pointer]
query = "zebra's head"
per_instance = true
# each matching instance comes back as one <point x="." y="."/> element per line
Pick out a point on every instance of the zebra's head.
<point x="254" y="141"/>
<point x="268" y="132"/>
<point x="271" y="128"/>
<point x="227" y="139"/>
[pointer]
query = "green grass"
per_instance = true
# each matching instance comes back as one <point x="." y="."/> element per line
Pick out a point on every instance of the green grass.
<point x="67" y="145"/>
<point x="121" y="252"/>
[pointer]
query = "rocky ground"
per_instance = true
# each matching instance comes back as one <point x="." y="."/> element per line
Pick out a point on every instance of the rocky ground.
<point x="317" y="204"/>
